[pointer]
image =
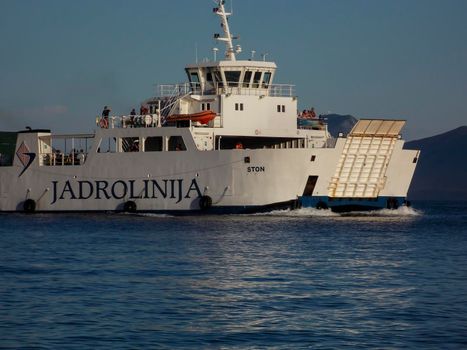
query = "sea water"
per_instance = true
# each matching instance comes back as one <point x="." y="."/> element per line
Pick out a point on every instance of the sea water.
<point x="280" y="280"/>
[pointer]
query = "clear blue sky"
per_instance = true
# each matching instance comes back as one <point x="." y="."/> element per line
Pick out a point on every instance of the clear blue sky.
<point x="61" y="61"/>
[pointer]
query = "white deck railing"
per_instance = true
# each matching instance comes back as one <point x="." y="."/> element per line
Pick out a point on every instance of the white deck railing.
<point x="234" y="88"/>
<point x="129" y="121"/>
<point x="60" y="159"/>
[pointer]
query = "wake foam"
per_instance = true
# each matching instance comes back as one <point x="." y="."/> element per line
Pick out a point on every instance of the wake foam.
<point x="402" y="211"/>
<point x="302" y="212"/>
<point x="152" y="215"/>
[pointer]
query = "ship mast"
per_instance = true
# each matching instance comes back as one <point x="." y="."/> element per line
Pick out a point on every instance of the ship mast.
<point x="227" y="38"/>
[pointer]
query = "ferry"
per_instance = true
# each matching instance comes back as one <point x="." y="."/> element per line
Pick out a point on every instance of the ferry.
<point x="229" y="140"/>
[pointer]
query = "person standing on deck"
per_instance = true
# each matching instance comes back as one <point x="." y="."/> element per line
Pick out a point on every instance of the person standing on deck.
<point x="104" y="122"/>
<point x="106" y="111"/>
<point x="132" y="118"/>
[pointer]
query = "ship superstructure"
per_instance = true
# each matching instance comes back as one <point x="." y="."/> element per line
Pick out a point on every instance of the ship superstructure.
<point x="227" y="140"/>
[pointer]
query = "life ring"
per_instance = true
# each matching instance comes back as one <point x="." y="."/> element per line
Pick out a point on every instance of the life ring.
<point x="130" y="207"/>
<point x="29" y="205"/>
<point x="147" y="120"/>
<point x="321" y="205"/>
<point x="205" y="202"/>
<point x="104" y="123"/>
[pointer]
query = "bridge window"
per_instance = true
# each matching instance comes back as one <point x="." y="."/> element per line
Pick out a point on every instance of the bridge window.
<point x="218" y="77"/>
<point x="266" y="79"/>
<point x="194" y="77"/>
<point x="232" y="77"/>
<point x="176" y="143"/>
<point x="247" y="78"/>
<point x="153" y="144"/>
<point x="256" y="79"/>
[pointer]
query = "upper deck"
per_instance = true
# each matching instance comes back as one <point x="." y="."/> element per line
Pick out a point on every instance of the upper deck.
<point x="232" y="87"/>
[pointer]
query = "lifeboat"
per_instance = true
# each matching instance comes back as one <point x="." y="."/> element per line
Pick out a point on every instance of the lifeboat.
<point x="314" y="124"/>
<point x="203" y="117"/>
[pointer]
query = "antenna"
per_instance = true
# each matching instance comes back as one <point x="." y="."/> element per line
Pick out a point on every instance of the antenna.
<point x="196" y="52"/>
<point x="263" y="55"/>
<point x="227" y="38"/>
<point x="253" y="55"/>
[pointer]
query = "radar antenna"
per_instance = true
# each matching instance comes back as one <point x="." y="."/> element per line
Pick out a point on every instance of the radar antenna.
<point x="227" y="38"/>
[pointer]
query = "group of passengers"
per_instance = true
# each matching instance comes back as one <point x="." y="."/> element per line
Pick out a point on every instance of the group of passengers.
<point x="308" y="114"/>
<point x="59" y="158"/>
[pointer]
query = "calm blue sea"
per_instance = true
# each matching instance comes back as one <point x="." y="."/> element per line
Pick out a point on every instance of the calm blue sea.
<point x="284" y="280"/>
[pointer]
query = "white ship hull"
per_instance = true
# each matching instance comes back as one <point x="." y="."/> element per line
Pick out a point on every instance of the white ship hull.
<point x="235" y="180"/>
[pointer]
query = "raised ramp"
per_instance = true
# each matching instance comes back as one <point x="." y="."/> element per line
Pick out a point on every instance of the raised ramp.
<point x="362" y="166"/>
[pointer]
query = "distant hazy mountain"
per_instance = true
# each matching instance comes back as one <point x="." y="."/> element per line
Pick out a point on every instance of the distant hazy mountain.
<point x="339" y="123"/>
<point x="442" y="168"/>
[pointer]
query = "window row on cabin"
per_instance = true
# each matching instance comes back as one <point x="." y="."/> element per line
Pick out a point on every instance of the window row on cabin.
<point x="239" y="107"/>
<point x="250" y="79"/>
<point x="150" y="144"/>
